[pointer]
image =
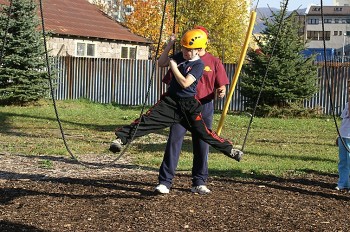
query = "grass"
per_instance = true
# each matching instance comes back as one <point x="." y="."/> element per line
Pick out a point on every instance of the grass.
<point x="274" y="146"/>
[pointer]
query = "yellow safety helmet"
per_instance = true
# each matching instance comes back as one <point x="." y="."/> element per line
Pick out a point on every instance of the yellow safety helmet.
<point x="194" y="39"/>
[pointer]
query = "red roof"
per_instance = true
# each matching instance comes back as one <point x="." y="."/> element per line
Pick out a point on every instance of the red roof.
<point x="80" y="18"/>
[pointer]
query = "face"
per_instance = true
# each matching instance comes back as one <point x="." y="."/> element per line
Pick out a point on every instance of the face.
<point x="188" y="53"/>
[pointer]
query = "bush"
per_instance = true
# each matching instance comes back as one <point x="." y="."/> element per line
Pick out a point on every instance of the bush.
<point x="289" y="111"/>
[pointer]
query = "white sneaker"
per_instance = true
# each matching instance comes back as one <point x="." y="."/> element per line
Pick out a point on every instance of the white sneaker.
<point x="236" y="154"/>
<point x="201" y="189"/>
<point x="341" y="189"/>
<point x="116" y="145"/>
<point x="162" y="189"/>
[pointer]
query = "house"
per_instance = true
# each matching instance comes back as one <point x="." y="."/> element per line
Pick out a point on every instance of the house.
<point x="114" y="8"/>
<point x="336" y="29"/>
<point x="300" y="18"/>
<point x="78" y="28"/>
<point x="341" y="2"/>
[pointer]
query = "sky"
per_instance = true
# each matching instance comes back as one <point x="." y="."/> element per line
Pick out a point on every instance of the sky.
<point x="292" y="4"/>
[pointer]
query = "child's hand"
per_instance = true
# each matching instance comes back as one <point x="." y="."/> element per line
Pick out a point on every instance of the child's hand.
<point x="172" y="38"/>
<point x="172" y="64"/>
<point x="221" y="92"/>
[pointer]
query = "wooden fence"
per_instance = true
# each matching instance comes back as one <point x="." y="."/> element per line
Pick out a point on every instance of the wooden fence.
<point x="130" y="82"/>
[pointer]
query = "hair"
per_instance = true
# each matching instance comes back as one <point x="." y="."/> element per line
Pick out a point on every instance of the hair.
<point x="202" y="28"/>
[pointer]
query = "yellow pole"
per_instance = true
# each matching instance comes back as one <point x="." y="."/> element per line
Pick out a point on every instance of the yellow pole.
<point x="239" y="67"/>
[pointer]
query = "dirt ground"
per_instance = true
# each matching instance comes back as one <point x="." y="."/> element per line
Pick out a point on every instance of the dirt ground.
<point x="70" y="197"/>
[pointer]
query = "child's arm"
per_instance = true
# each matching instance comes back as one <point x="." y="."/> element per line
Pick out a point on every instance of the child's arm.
<point x="183" y="81"/>
<point x="163" y="60"/>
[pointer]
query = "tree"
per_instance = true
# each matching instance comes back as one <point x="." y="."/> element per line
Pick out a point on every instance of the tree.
<point x="146" y="20"/>
<point x="226" y="20"/>
<point x="22" y="78"/>
<point x="291" y="77"/>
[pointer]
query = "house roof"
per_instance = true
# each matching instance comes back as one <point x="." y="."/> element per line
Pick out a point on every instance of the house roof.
<point x="83" y="19"/>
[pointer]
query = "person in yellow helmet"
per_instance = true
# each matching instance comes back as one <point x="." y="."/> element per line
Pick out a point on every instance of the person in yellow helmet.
<point x="212" y="84"/>
<point x="179" y="103"/>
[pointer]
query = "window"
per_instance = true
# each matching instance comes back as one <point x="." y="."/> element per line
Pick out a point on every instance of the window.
<point x="129" y="9"/>
<point x="85" y="49"/>
<point x="318" y="35"/>
<point x="335" y="33"/>
<point x="128" y="52"/>
<point x="336" y="20"/>
<point x="80" y="49"/>
<point x="313" y="35"/>
<point x="338" y="9"/>
<point x="313" y="21"/>
<point x="328" y="21"/>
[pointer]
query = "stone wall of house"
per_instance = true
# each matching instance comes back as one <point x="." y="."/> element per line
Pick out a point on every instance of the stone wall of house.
<point x="103" y="49"/>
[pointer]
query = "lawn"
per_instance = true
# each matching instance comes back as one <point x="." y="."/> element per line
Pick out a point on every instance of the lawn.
<point x="274" y="146"/>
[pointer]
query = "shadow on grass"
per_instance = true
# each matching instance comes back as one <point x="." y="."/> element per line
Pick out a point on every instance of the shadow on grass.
<point x="291" y="157"/>
<point x="6" y="127"/>
<point x="92" y="165"/>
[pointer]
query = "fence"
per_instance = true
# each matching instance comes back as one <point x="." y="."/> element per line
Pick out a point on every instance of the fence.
<point x="126" y="82"/>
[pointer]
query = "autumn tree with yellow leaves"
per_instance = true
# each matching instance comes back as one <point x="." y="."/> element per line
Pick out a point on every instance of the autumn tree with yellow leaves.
<point x="146" y="20"/>
<point x="226" y="21"/>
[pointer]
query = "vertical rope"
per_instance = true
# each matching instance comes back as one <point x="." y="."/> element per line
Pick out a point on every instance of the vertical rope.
<point x="54" y="101"/>
<point x="174" y="23"/>
<point x="266" y="72"/>
<point x="331" y="102"/>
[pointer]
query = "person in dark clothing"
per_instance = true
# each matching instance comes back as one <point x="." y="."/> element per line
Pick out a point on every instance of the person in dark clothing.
<point x="213" y="83"/>
<point x="179" y="103"/>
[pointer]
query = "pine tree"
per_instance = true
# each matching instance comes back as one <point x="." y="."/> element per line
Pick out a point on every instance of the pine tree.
<point x="22" y="78"/>
<point x="291" y="78"/>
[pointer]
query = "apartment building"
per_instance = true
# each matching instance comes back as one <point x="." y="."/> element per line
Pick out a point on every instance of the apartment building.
<point x="341" y="2"/>
<point x="336" y="27"/>
<point x="336" y="21"/>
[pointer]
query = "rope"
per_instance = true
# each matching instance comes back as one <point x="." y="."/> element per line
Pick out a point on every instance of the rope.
<point x="266" y="72"/>
<point x="54" y="101"/>
<point x="174" y="23"/>
<point x="328" y="82"/>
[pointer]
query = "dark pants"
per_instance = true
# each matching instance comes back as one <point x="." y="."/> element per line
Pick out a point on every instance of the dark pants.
<point x="169" y="111"/>
<point x="200" y="152"/>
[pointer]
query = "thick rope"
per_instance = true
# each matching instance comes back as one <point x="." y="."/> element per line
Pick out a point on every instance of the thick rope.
<point x="266" y="72"/>
<point x="54" y="101"/>
<point x="331" y="102"/>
